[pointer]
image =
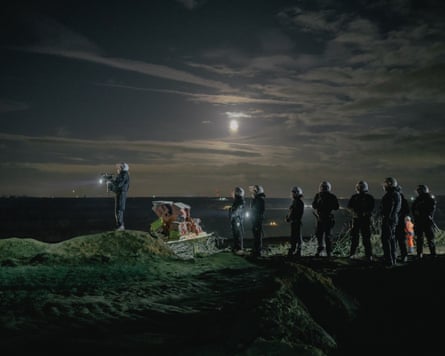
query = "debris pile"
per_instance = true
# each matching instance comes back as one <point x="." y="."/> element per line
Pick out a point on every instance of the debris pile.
<point x="175" y="222"/>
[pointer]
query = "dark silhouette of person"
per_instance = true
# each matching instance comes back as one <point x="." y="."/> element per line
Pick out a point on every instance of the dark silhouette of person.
<point x="294" y="216"/>
<point x="361" y="204"/>
<point x="400" y="228"/>
<point x="423" y="209"/>
<point x="390" y="209"/>
<point x="258" y="207"/>
<point x="236" y="216"/>
<point x="323" y="204"/>
<point x="120" y="185"/>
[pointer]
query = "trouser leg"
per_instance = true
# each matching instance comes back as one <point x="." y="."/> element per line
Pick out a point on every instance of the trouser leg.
<point x="120" y="208"/>
<point x="328" y="241"/>
<point x="367" y="245"/>
<point x="355" y="238"/>
<point x="401" y="240"/>
<point x="366" y="237"/>
<point x="392" y="244"/>
<point x="257" y="240"/>
<point x="319" y="235"/>
<point x="419" y="239"/>
<point x="296" y="239"/>
<point x="430" y="240"/>
<point x="388" y="244"/>
<point x="237" y="235"/>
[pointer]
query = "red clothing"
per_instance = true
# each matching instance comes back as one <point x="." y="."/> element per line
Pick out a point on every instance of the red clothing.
<point x="409" y="233"/>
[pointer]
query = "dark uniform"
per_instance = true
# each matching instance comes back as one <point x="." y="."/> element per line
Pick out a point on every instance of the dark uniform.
<point x="362" y="206"/>
<point x="236" y="216"/>
<point x="390" y="210"/>
<point x="423" y="209"/>
<point x="400" y="229"/>
<point x="258" y="207"/>
<point x="120" y="186"/>
<point x="324" y="203"/>
<point x="294" y="217"/>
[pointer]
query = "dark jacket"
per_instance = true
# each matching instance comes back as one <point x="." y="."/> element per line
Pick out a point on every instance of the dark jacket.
<point x="423" y="208"/>
<point x="296" y="210"/>
<point x="404" y="209"/>
<point x="361" y="204"/>
<point x="258" y="206"/>
<point x="121" y="183"/>
<point x="323" y="204"/>
<point x="390" y="207"/>
<point x="236" y="211"/>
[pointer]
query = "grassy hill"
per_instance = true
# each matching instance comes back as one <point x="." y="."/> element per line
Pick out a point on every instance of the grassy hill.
<point x="128" y="293"/>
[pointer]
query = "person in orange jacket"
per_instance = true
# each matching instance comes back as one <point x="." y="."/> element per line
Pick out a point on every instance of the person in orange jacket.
<point x="409" y="233"/>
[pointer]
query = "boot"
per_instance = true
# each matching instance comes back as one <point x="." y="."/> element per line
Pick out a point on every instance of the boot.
<point x="432" y="249"/>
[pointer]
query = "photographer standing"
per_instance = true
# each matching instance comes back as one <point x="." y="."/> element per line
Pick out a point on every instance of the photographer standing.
<point x="119" y="186"/>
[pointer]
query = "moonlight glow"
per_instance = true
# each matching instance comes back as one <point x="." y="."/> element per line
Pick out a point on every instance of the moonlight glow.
<point x="234" y="126"/>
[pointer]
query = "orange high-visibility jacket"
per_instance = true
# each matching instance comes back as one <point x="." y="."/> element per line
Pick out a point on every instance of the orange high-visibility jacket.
<point x="409" y="229"/>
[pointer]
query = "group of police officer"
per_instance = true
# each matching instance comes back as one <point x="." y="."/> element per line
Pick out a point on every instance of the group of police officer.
<point x="237" y="215"/>
<point x="394" y="209"/>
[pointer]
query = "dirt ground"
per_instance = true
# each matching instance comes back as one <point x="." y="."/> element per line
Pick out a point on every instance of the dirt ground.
<point x="127" y="293"/>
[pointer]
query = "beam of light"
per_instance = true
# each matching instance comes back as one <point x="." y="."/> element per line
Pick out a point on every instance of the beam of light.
<point x="234" y="125"/>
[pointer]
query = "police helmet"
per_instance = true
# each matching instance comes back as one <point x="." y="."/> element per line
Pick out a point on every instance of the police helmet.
<point x="123" y="166"/>
<point x="256" y="189"/>
<point x="361" y="186"/>
<point x="238" y="192"/>
<point x="389" y="183"/>
<point x="325" y="186"/>
<point x="297" y="190"/>
<point x="422" y="189"/>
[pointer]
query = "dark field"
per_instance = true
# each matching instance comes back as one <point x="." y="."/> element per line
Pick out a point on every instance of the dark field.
<point x="58" y="219"/>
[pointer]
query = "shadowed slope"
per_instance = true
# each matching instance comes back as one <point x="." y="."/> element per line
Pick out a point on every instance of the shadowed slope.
<point x="126" y="293"/>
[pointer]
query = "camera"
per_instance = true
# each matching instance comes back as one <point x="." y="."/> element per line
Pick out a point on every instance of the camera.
<point x="106" y="178"/>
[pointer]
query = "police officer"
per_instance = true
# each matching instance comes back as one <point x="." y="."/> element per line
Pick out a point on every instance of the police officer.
<point x="361" y="204"/>
<point x="257" y="206"/>
<point x="390" y="209"/>
<point x="120" y="185"/>
<point x="294" y="216"/>
<point x="323" y="204"/>
<point x="423" y="209"/>
<point x="236" y="216"/>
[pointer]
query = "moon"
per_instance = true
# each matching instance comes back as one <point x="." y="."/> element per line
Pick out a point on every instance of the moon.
<point x="234" y="126"/>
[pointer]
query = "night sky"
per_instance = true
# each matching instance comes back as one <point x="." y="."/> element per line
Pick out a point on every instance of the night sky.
<point x="321" y="90"/>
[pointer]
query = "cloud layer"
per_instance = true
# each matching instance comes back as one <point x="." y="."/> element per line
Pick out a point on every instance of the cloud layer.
<point x="321" y="90"/>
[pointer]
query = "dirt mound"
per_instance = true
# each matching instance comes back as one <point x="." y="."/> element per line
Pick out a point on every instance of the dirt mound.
<point x="219" y="304"/>
<point x="125" y="246"/>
